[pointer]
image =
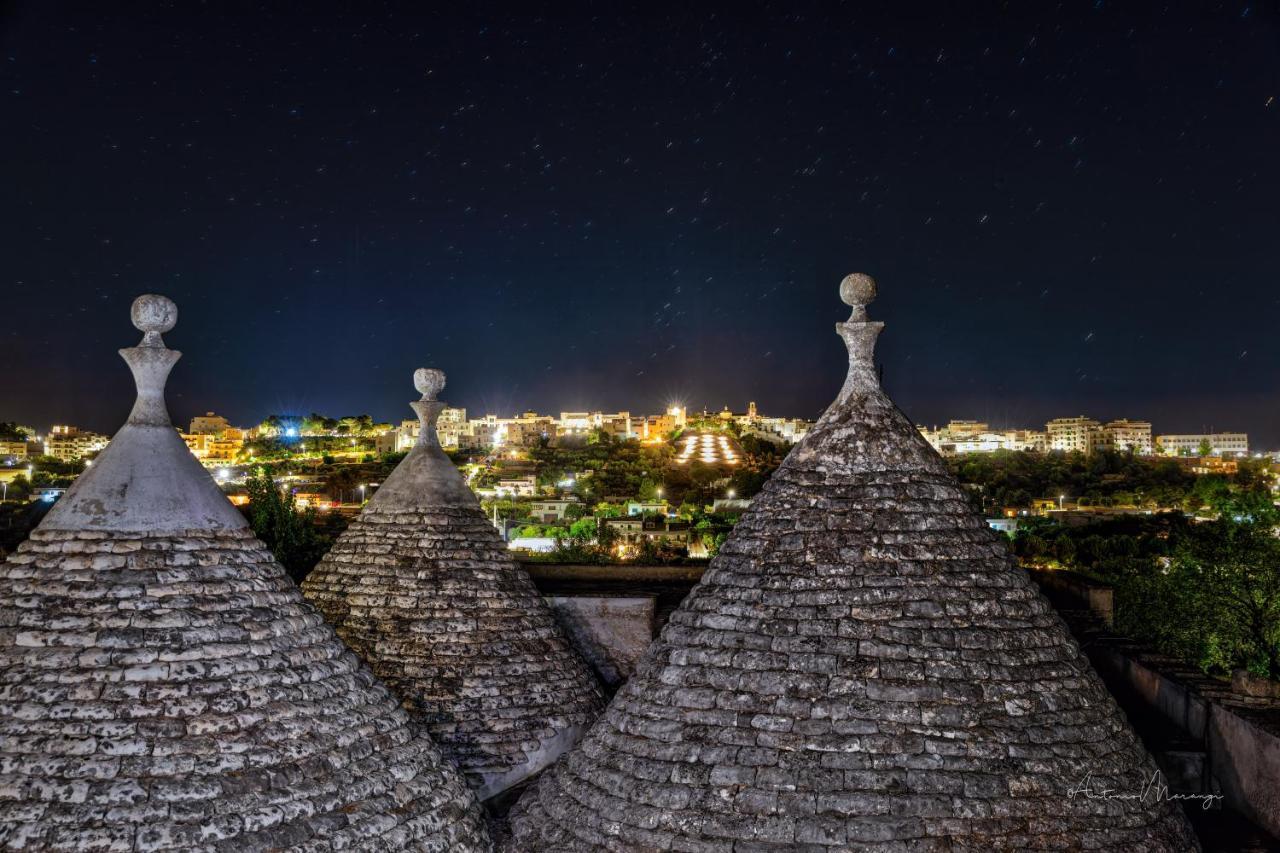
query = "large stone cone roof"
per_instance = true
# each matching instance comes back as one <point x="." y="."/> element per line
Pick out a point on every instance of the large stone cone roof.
<point x="163" y="685"/>
<point x="861" y="667"/>
<point x="423" y="588"/>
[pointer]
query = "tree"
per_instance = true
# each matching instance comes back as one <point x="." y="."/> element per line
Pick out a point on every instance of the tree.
<point x="290" y="534"/>
<point x="647" y="491"/>
<point x="584" y="529"/>
<point x="1064" y="549"/>
<point x="316" y="423"/>
<point x="19" y="489"/>
<point x="355" y="425"/>
<point x="1205" y="448"/>
<point x="608" y="510"/>
<point x="1216" y="602"/>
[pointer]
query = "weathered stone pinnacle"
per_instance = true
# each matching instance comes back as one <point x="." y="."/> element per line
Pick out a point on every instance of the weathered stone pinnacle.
<point x="857" y="291"/>
<point x="862" y="667"/>
<point x="164" y="686"/>
<point x="423" y="588"/>
<point x="429" y="381"/>
<point x="146" y="478"/>
<point x="151" y="360"/>
<point x="153" y="315"/>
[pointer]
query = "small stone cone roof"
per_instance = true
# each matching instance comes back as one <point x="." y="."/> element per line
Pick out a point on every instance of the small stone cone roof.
<point x="163" y="685"/>
<point x="424" y="589"/>
<point x="861" y="667"/>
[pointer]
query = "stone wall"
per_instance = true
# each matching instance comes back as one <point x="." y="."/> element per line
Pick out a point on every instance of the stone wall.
<point x="1077" y="592"/>
<point x="1168" y="698"/>
<point x="610" y="632"/>
<point x="1245" y="756"/>
<point x="1241" y="735"/>
<point x="1159" y="684"/>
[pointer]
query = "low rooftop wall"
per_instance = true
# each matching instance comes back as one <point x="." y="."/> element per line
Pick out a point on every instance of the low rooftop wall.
<point x="1239" y="733"/>
<point x="613" y="612"/>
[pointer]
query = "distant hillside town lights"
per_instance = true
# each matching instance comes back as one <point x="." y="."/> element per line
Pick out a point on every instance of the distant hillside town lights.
<point x="1081" y="434"/>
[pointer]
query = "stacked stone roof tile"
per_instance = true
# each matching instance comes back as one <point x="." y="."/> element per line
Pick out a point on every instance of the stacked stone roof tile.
<point x="423" y="588"/>
<point x="861" y="667"/>
<point x="164" y="686"/>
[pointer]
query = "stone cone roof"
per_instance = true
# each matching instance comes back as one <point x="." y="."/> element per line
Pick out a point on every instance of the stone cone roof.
<point x="163" y="685"/>
<point x="861" y="667"/>
<point x="424" y="589"/>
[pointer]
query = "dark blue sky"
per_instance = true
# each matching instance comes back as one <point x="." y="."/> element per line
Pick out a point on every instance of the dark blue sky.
<point x="1070" y="208"/>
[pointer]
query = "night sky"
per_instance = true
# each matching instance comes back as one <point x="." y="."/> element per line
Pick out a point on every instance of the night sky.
<point x="1070" y="209"/>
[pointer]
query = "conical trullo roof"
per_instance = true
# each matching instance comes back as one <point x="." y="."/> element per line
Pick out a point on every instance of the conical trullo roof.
<point x="423" y="588"/>
<point x="861" y="668"/>
<point x="163" y="685"/>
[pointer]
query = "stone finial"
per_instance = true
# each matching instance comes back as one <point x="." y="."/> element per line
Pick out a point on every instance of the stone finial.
<point x="153" y="315"/>
<point x="151" y="360"/>
<point x="429" y="381"/>
<point x="857" y="290"/>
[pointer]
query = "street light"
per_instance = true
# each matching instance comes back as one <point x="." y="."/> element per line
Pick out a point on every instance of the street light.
<point x="732" y="494"/>
<point x="362" y="493"/>
<point x="659" y="492"/>
<point x="1060" y="497"/>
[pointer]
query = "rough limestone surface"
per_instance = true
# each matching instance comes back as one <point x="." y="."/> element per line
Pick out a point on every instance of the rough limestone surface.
<point x="862" y="667"/>
<point x="423" y="588"/>
<point x="164" y="686"/>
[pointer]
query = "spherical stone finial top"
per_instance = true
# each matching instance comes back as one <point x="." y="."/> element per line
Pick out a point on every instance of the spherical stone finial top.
<point x="152" y="312"/>
<point x="857" y="290"/>
<point x="429" y="382"/>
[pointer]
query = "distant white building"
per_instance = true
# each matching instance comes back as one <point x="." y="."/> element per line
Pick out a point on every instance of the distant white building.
<point x="12" y="452"/>
<point x="398" y="440"/>
<point x="536" y="544"/>
<point x="450" y="426"/>
<point x="1078" y="434"/>
<point x="208" y="424"/>
<point x="1007" y="526"/>
<point x="548" y="510"/>
<point x="960" y="436"/>
<point x="1027" y="439"/>
<point x="617" y="424"/>
<point x="1133" y="436"/>
<point x="517" y="487"/>
<point x="1219" y="443"/>
<point x="790" y="430"/>
<point x="69" y="443"/>
<point x="646" y="508"/>
<point x="1073" y="434"/>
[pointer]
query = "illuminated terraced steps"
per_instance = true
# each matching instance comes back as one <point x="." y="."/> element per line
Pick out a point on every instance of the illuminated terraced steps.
<point x="709" y="448"/>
